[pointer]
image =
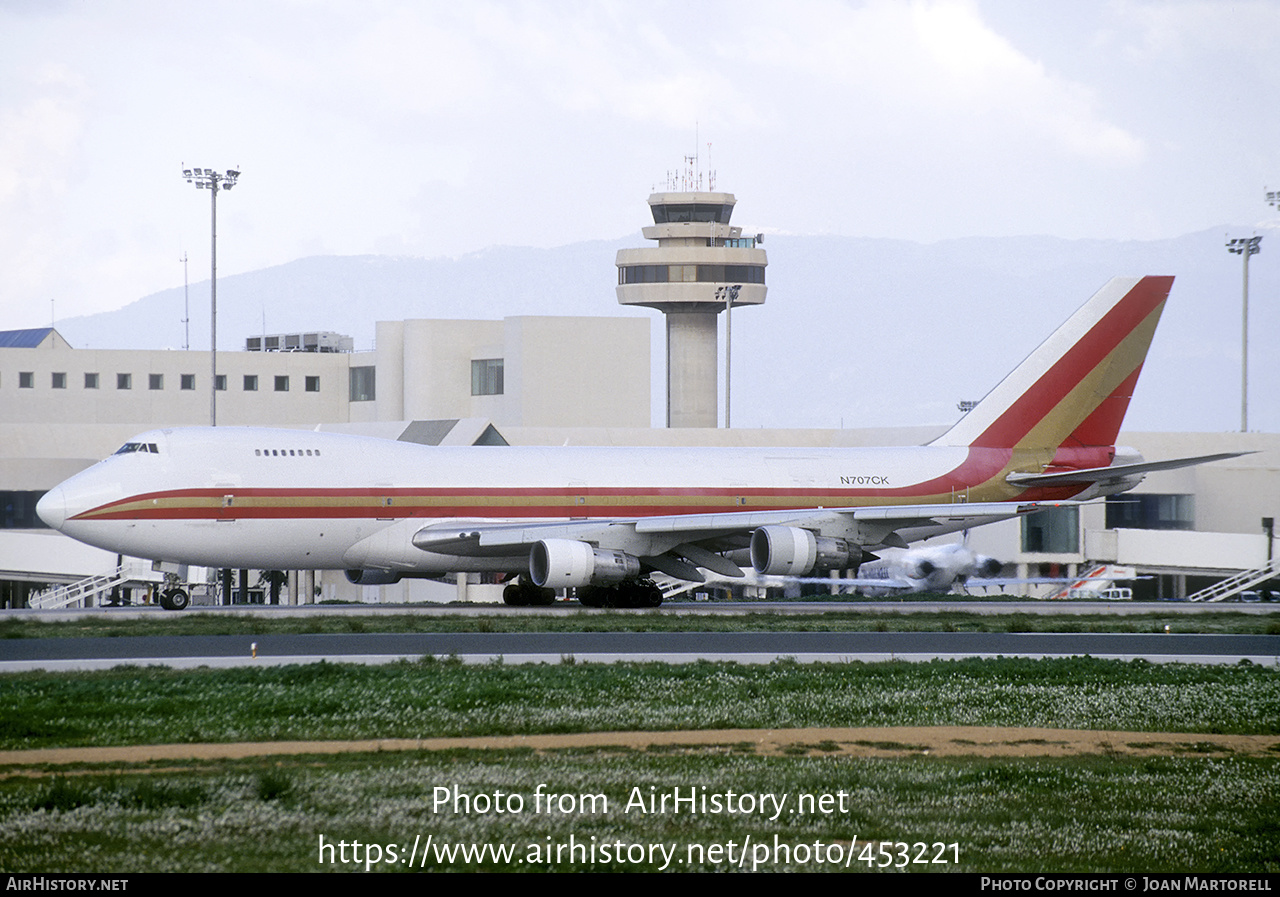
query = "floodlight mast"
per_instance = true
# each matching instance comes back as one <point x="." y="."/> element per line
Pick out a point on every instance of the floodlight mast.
<point x="1244" y="246"/>
<point x="213" y="181"/>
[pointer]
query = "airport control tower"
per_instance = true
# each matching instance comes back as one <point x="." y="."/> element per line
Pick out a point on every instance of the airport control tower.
<point x="700" y="267"/>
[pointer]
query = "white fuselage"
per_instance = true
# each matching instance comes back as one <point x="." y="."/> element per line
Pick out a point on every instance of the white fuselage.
<point x="294" y="499"/>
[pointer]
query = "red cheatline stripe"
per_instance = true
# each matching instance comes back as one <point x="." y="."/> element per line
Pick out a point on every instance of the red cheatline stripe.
<point x="978" y="468"/>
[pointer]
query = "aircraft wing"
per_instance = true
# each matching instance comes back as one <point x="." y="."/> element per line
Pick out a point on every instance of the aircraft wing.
<point x="475" y="539"/>
<point x="679" y="544"/>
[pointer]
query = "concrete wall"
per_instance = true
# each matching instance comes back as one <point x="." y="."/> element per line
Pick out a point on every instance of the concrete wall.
<point x="170" y="405"/>
<point x="576" y="372"/>
<point x="557" y="371"/>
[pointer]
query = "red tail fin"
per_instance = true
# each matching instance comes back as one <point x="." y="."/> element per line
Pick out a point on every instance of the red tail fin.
<point x="1074" y="389"/>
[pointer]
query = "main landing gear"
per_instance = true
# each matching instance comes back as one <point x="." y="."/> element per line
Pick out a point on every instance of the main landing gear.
<point x="523" y="593"/>
<point x="173" y="593"/>
<point x="632" y="593"/>
<point x="174" y="599"/>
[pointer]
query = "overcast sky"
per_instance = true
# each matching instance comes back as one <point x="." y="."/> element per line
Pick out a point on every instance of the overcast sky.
<point x="421" y="128"/>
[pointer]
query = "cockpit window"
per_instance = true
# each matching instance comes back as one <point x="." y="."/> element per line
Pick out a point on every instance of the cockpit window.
<point x="130" y="447"/>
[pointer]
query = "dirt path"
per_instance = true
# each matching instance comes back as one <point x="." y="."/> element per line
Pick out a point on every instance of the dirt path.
<point x="949" y="741"/>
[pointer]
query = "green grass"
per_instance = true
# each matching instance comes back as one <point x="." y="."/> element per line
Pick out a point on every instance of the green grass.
<point x="134" y="705"/>
<point x="1174" y="814"/>
<point x="668" y="619"/>
<point x="1188" y="811"/>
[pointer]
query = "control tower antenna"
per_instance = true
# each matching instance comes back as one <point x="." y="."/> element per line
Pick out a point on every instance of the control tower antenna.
<point x="700" y="267"/>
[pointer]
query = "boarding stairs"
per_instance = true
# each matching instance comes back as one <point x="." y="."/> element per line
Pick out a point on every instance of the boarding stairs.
<point x="1236" y="584"/>
<point x="672" y="587"/>
<point x="88" y="592"/>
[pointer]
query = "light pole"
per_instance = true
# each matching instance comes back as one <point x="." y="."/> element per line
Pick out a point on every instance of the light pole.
<point x="728" y="294"/>
<point x="213" y="181"/>
<point x="1244" y="246"/>
<point x="186" y="306"/>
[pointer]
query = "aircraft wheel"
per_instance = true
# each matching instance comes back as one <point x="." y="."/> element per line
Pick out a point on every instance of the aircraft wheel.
<point x="542" y="597"/>
<point x="630" y="594"/>
<point x="514" y="596"/>
<point x="174" y="599"/>
<point x="590" y="596"/>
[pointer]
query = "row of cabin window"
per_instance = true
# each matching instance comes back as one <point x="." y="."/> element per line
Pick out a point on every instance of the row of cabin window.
<point x="286" y="452"/>
<point x="58" y="380"/>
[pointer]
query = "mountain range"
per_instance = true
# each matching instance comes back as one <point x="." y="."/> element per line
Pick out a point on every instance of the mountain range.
<point x="855" y="332"/>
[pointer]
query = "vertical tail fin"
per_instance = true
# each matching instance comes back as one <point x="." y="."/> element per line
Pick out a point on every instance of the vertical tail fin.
<point x="1074" y="389"/>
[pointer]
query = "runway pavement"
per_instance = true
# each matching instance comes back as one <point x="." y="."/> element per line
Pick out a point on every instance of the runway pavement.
<point x="678" y="647"/>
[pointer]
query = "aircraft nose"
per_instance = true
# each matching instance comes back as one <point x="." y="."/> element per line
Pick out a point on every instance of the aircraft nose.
<point x="52" y="507"/>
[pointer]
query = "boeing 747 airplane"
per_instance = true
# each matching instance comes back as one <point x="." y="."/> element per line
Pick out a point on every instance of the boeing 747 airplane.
<point x="602" y="520"/>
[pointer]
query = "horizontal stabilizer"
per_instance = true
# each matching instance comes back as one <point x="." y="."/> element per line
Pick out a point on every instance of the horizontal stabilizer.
<point x="1119" y="471"/>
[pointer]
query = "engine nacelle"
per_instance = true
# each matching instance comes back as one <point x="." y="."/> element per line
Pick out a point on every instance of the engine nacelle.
<point x="568" y="563"/>
<point x="987" y="567"/>
<point x="792" y="551"/>
<point x="373" y="577"/>
<point x="921" y="569"/>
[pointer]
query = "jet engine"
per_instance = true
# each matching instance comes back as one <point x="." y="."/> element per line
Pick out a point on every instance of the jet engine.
<point x="792" y="551"/>
<point x="921" y="568"/>
<point x="373" y="577"/>
<point x="564" y="563"/>
<point x="986" y="567"/>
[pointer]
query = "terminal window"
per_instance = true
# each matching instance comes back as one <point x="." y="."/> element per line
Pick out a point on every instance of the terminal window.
<point x="58" y="380"/>
<point x="188" y="381"/>
<point x="250" y="382"/>
<point x="26" y="380"/>
<point x="1151" y="511"/>
<point x="703" y="211"/>
<point x="282" y="384"/>
<point x="90" y="381"/>
<point x="18" y="510"/>
<point x="124" y="381"/>
<point x="363" y="384"/>
<point x="486" y="377"/>
<point x="155" y="381"/>
<point x="1052" y="531"/>
<point x="313" y="384"/>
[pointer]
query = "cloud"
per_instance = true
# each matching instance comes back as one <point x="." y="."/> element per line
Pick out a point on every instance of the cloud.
<point x="39" y="138"/>
<point x="441" y="128"/>
<point x="936" y="72"/>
